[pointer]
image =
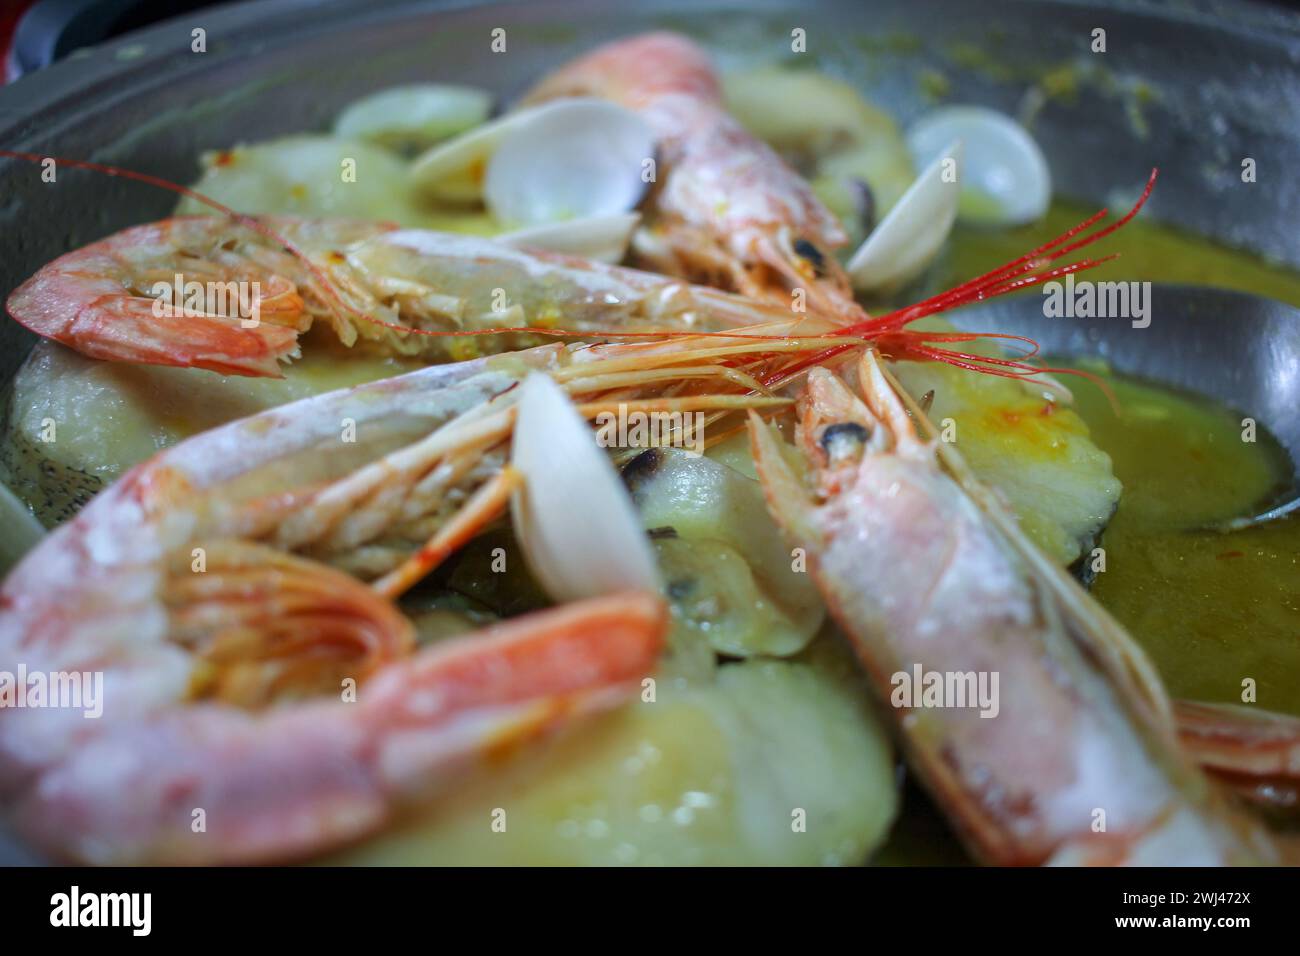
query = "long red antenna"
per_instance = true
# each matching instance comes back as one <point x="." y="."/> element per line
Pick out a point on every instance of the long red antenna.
<point x="1018" y="274"/>
<point x="1021" y="273"/>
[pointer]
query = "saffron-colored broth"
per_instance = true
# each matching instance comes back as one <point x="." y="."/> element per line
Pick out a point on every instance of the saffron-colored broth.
<point x="1212" y="609"/>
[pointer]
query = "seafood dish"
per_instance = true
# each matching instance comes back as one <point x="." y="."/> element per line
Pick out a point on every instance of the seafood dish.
<point x="612" y="473"/>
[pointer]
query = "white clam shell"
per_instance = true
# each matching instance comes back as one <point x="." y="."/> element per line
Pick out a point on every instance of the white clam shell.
<point x="575" y="521"/>
<point x="1004" y="170"/>
<point x="579" y="159"/>
<point x="571" y="159"/>
<point x="416" y="115"/>
<point x="911" y="235"/>
<point x="600" y="238"/>
<point x="453" y="171"/>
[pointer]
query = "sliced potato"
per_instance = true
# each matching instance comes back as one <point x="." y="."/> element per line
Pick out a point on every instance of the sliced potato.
<point x="886" y="172"/>
<point x="104" y="417"/>
<point x="716" y="599"/>
<point x="307" y="176"/>
<point x="411" y="118"/>
<point x="1035" y="451"/>
<point x="803" y="110"/>
<point x="744" y="573"/>
<point x="830" y="133"/>
<point x="773" y="763"/>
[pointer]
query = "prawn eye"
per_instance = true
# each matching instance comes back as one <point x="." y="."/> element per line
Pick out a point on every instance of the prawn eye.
<point x="843" y="442"/>
<point x="812" y="254"/>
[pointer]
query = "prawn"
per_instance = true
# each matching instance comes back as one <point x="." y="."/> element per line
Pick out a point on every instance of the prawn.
<point x="924" y="571"/>
<point x="401" y="291"/>
<point x="1256" y="752"/>
<point x="228" y="587"/>
<point x="727" y="210"/>
<point x="209" y="587"/>
<point x="422" y="293"/>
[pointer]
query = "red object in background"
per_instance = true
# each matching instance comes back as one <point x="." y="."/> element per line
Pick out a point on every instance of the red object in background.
<point x="10" y="14"/>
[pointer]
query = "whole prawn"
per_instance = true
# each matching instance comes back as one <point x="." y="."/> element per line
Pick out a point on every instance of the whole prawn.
<point x="206" y="586"/>
<point x="921" y="568"/>
<point x="407" y="292"/>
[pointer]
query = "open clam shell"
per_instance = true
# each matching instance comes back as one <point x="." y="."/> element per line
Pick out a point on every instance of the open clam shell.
<point x="571" y="159"/>
<point x="913" y="232"/>
<point x="582" y="158"/>
<point x="1005" y="179"/>
<point x="574" y="519"/>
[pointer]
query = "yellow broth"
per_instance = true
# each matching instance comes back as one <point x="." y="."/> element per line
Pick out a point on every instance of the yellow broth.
<point x="1148" y="251"/>
<point x="1213" y="609"/>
